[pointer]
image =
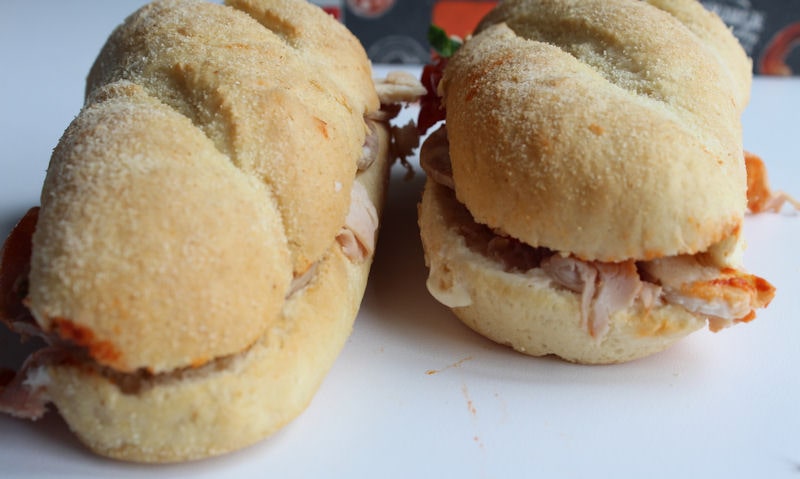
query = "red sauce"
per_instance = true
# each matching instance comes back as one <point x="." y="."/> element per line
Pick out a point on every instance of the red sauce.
<point x="431" y="108"/>
<point x="101" y="351"/>
<point x="15" y="260"/>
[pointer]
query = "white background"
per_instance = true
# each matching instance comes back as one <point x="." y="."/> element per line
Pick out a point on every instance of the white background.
<point x="416" y="394"/>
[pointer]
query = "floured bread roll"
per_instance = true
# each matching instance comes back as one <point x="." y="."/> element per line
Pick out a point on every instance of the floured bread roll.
<point x="586" y="195"/>
<point x="206" y="229"/>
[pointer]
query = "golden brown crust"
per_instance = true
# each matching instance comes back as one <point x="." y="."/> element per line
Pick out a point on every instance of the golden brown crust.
<point x="528" y="311"/>
<point x="147" y="232"/>
<point x="604" y="128"/>
<point x="330" y="46"/>
<point x="718" y="38"/>
<point x="251" y="77"/>
<point x="188" y="189"/>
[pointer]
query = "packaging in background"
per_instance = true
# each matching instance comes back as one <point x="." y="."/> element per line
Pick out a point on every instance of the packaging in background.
<point x="769" y="31"/>
<point x="395" y="31"/>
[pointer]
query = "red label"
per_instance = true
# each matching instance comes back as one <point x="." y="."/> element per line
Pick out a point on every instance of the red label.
<point x="370" y="8"/>
<point x="335" y="12"/>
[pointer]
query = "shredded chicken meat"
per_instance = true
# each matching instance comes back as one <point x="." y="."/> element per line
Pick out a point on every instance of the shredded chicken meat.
<point x="760" y="197"/>
<point x="399" y="87"/>
<point x="23" y="393"/>
<point x="604" y="287"/>
<point x="357" y="237"/>
<point x="725" y="295"/>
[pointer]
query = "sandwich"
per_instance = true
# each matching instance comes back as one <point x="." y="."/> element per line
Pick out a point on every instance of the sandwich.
<point x="206" y="229"/>
<point x="586" y="193"/>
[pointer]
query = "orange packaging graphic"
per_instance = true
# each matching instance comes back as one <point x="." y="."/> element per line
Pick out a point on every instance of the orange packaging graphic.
<point x="395" y="31"/>
<point x="459" y="17"/>
<point x="769" y="31"/>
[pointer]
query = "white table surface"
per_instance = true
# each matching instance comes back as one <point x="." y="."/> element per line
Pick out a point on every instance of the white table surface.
<point x="416" y="394"/>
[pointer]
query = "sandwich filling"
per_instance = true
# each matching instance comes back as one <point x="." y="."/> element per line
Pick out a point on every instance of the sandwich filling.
<point x="708" y="284"/>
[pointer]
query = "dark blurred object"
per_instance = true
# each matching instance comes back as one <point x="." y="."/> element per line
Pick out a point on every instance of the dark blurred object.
<point x="769" y="31"/>
<point x="394" y="31"/>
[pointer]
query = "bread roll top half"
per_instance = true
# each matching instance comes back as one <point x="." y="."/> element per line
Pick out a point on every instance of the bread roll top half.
<point x="212" y="162"/>
<point x="605" y="129"/>
<point x="276" y="85"/>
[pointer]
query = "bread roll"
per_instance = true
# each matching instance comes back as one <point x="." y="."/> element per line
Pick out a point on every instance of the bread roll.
<point x="586" y="195"/>
<point x="206" y="229"/>
<point x="231" y="401"/>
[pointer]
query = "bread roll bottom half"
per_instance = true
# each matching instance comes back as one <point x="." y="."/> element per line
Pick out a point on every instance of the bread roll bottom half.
<point x="542" y="302"/>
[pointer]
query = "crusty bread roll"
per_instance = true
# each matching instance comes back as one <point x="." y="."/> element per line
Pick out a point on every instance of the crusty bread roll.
<point x="231" y="401"/>
<point x="595" y="148"/>
<point x="206" y="229"/>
